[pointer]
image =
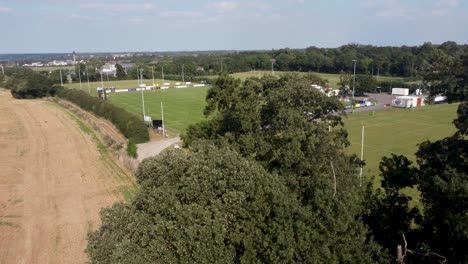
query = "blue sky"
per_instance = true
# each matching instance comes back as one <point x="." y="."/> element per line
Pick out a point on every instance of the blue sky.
<point x="30" y="26"/>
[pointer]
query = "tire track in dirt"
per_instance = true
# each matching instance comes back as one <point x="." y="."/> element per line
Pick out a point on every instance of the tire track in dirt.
<point x="53" y="183"/>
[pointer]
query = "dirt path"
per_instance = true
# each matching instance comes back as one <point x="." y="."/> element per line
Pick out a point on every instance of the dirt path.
<point x="53" y="183"/>
<point x="153" y="148"/>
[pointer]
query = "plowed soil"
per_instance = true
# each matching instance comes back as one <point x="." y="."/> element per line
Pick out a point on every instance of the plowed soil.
<point x="54" y="181"/>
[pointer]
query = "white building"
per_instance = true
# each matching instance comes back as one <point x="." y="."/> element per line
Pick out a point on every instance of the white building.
<point x="408" y="101"/>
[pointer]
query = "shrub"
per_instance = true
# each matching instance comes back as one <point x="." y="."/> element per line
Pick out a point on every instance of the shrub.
<point x="128" y="124"/>
<point x="30" y="85"/>
<point x="132" y="149"/>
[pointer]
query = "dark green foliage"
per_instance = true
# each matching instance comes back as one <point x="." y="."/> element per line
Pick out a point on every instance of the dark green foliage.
<point x="443" y="182"/>
<point x="397" y="173"/>
<point x="213" y="206"/>
<point x="132" y="149"/>
<point x="29" y="84"/>
<point x="462" y="120"/>
<point x="388" y="213"/>
<point x="128" y="124"/>
<point x="120" y="72"/>
<point x="449" y="76"/>
<point x="284" y="125"/>
<point x="387" y="61"/>
<point x="365" y="84"/>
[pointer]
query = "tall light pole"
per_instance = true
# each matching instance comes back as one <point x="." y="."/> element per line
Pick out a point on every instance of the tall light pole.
<point x="87" y="77"/>
<point x="183" y="77"/>
<point x="354" y="79"/>
<point x="102" y="82"/>
<point x="61" y="79"/>
<point x="79" y="76"/>
<point x="272" y="62"/>
<point x="142" y="94"/>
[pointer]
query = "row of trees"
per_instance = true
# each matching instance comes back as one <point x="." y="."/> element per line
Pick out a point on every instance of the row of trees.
<point x="401" y="61"/>
<point x="128" y="124"/>
<point x="417" y="62"/>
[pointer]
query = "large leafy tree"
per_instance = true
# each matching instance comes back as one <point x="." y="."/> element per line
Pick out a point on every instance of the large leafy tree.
<point x="294" y="130"/>
<point x="28" y="84"/>
<point x="120" y="72"/>
<point x="448" y="76"/>
<point x="213" y="206"/>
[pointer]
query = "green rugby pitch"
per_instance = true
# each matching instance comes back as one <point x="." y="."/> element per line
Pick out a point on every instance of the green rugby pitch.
<point x="182" y="107"/>
<point x="397" y="131"/>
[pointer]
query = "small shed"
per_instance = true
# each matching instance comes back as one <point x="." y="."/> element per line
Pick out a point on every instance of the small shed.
<point x="408" y="101"/>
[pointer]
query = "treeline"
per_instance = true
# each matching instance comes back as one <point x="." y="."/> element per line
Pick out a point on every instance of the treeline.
<point x="128" y="124"/>
<point x="24" y="83"/>
<point x="404" y="61"/>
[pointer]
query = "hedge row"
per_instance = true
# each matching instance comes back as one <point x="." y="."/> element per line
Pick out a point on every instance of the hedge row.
<point x="128" y="124"/>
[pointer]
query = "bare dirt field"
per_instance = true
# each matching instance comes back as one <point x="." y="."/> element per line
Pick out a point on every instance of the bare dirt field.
<point x="54" y="180"/>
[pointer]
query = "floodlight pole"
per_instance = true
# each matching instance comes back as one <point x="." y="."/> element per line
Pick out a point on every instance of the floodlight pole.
<point x="61" y="80"/>
<point x="142" y="94"/>
<point x="354" y="79"/>
<point x="183" y="77"/>
<point x="79" y="76"/>
<point x="102" y="82"/>
<point x="138" y="76"/>
<point x="272" y="62"/>
<point x="162" y="118"/>
<point x="362" y="156"/>
<point x="87" y="77"/>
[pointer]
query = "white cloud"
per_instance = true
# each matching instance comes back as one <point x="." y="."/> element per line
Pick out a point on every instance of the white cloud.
<point x="133" y="20"/>
<point x="259" y="5"/>
<point x="4" y="9"/>
<point x="223" y="7"/>
<point x="389" y="9"/>
<point x="296" y="2"/>
<point x="117" y="8"/>
<point x="186" y="17"/>
<point x="445" y="7"/>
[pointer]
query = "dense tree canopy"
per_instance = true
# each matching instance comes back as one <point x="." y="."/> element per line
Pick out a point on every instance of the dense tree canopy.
<point x="213" y="206"/>
<point x="24" y="83"/>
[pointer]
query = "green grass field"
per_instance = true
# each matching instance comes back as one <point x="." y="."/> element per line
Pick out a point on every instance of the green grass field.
<point x="397" y="131"/>
<point x="52" y="68"/>
<point x="182" y="107"/>
<point x="116" y="84"/>
<point x="332" y="79"/>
